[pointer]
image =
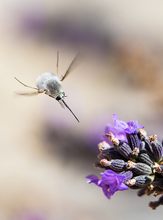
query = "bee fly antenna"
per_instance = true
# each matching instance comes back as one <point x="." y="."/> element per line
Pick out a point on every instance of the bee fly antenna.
<point x="65" y="104"/>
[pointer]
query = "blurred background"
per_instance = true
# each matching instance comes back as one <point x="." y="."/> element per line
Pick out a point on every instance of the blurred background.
<point x="44" y="153"/>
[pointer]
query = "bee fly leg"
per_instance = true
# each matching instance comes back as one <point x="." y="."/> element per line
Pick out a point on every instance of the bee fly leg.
<point x="25" y="85"/>
<point x="27" y="93"/>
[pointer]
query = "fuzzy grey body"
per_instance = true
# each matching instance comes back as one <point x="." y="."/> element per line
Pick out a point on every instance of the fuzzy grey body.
<point x="50" y="84"/>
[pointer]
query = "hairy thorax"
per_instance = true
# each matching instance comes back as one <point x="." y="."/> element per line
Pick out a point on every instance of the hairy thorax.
<point x="49" y="83"/>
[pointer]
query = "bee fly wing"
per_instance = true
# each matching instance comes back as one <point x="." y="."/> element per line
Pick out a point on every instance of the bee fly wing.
<point x="71" y="66"/>
<point x="65" y="105"/>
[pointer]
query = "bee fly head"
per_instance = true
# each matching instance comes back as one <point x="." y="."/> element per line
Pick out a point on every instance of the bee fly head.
<point x="61" y="96"/>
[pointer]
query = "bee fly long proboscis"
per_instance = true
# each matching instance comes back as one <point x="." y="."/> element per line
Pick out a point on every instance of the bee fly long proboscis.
<point x="50" y="84"/>
<point x="65" y="104"/>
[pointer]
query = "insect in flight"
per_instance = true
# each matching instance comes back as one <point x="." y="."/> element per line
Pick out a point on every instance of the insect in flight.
<point x="51" y="85"/>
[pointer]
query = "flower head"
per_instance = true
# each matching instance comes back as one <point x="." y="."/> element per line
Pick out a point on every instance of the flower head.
<point x="132" y="158"/>
<point x="110" y="182"/>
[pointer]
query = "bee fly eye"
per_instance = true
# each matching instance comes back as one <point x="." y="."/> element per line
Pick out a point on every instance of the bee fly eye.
<point x="58" y="98"/>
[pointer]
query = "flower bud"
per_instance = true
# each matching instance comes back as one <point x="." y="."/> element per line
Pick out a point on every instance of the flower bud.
<point x="133" y="140"/>
<point x="111" y="153"/>
<point x="125" y="150"/>
<point x="157" y="150"/>
<point x="116" y="165"/>
<point x="145" y="158"/>
<point x="140" y="181"/>
<point x="142" y="146"/>
<point x="148" y="148"/>
<point x="139" y="168"/>
<point x="143" y="180"/>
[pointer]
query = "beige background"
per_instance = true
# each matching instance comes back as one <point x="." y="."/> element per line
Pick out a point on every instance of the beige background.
<point x="31" y="179"/>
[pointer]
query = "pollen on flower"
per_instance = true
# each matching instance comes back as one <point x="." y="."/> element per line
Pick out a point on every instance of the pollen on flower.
<point x="112" y="138"/>
<point x="130" y="159"/>
<point x="103" y="146"/>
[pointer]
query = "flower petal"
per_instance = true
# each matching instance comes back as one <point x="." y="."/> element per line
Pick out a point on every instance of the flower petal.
<point x="92" y="179"/>
<point x="121" y="128"/>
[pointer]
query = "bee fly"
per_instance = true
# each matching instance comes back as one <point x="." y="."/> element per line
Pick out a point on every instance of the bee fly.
<point x="50" y="84"/>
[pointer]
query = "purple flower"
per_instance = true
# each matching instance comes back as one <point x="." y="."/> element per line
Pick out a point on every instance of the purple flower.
<point x="133" y="126"/>
<point x="121" y="128"/>
<point x="110" y="182"/>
